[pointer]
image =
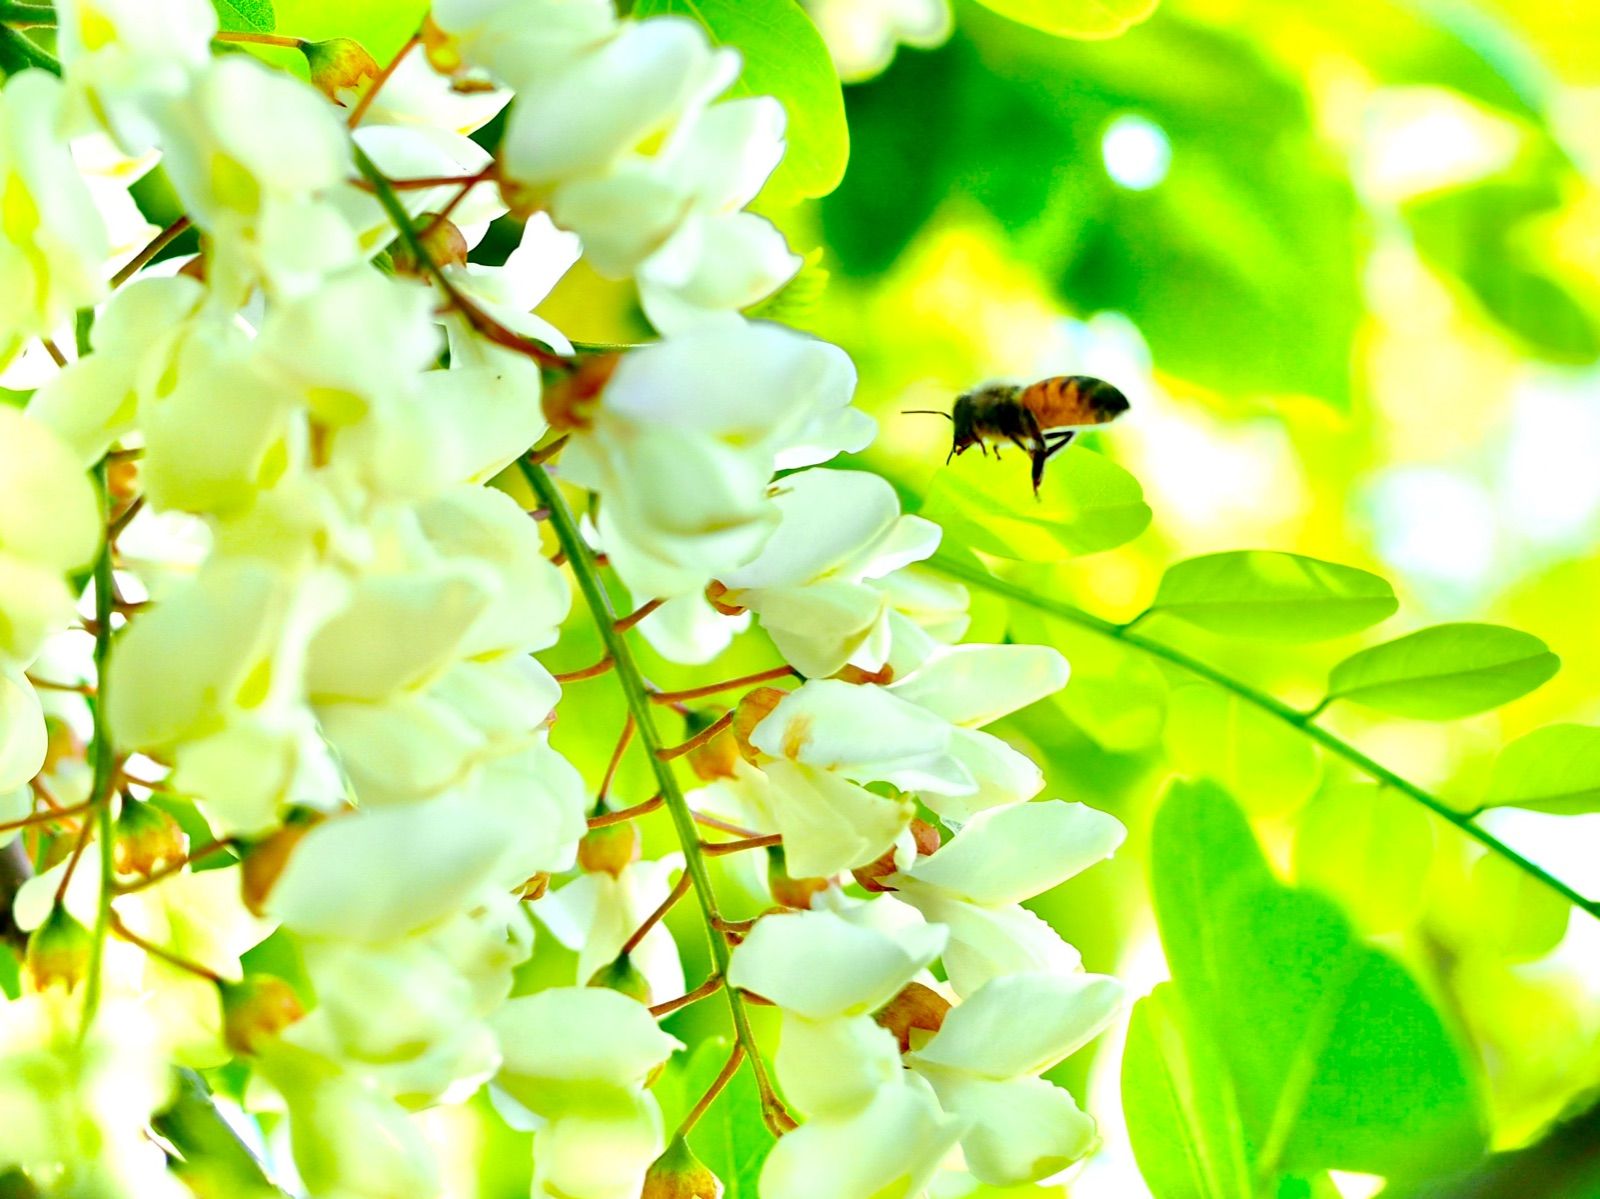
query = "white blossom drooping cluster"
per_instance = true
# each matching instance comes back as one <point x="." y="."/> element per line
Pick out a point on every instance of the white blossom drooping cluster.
<point x="315" y="601"/>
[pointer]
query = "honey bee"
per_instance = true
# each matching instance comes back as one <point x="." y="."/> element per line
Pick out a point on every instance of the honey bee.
<point x="1038" y="418"/>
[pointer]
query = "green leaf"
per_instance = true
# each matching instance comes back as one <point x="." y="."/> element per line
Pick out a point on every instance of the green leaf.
<point x="1511" y="912"/>
<point x="1369" y="849"/>
<point x="1183" y="1119"/>
<point x="1087" y="504"/>
<point x="1273" y="596"/>
<point x="1254" y="756"/>
<point x="730" y="1138"/>
<point x="784" y="56"/>
<point x="1076" y="18"/>
<point x="1444" y="672"/>
<point x="1336" y="1056"/>
<point x="1553" y="769"/>
<point x="245" y="16"/>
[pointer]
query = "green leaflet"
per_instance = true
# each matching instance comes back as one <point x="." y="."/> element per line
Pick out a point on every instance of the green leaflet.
<point x="1444" y="672"/>
<point x="245" y="16"/>
<point x="1181" y="1111"/>
<point x="1370" y="849"/>
<point x="1273" y="596"/>
<point x="1087" y="504"/>
<point x="1553" y="769"/>
<point x="1076" y="18"/>
<point x="784" y="56"/>
<point x="1334" y="1054"/>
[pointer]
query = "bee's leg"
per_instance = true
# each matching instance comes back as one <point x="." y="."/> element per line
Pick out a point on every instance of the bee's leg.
<point x="1038" y="455"/>
<point x="1064" y="439"/>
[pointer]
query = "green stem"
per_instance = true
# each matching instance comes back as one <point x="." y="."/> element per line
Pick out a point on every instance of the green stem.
<point x="18" y="53"/>
<point x="1303" y="721"/>
<point x="581" y="559"/>
<point x="26" y="16"/>
<point x="104" y="782"/>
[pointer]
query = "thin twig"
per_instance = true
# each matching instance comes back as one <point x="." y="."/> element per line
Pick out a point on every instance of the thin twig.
<point x="679" y="890"/>
<point x="748" y="680"/>
<point x="610" y="775"/>
<point x="153" y="247"/>
<point x="360" y="110"/>
<point x="632" y="618"/>
<point x="718" y="848"/>
<point x="699" y="1109"/>
<point x="623" y="815"/>
<point x="588" y="672"/>
<point x="709" y="987"/>
<point x="709" y="733"/>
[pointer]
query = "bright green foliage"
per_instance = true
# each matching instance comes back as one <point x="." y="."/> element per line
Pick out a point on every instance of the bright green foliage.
<point x="1444" y="672"/>
<point x="1553" y="769"/>
<point x="1076" y="18"/>
<point x="1371" y="850"/>
<point x="1335" y="1055"/>
<point x="1273" y="596"/>
<point x="783" y="57"/>
<point x="245" y="16"/>
<point x="1511" y="913"/>
<point x="1267" y="765"/>
<point x="1087" y="504"/>
<point x="1177" y="1093"/>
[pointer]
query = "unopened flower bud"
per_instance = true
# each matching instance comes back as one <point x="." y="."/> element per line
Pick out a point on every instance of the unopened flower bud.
<point x="787" y="891"/>
<point x="854" y="675"/>
<point x="264" y="861"/>
<point x="871" y="875"/>
<point x="610" y="849"/>
<point x="916" y="1007"/>
<point x="146" y="839"/>
<point x="754" y="707"/>
<point x="341" y="69"/>
<point x="714" y="593"/>
<point x="715" y="759"/>
<point x="569" y="403"/>
<point x="622" y="975"/>
<point x="58" y="951"/>
<point x="256" y="1010"/>
<point x="440" y="240"/>
<point x="122" y="482"/>
<point x="679" y="1174"/>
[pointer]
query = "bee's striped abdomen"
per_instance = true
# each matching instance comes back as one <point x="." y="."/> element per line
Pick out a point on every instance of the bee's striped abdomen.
<point x="1069" y="400"/>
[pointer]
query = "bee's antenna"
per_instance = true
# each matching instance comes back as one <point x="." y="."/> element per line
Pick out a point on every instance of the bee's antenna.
<point x="926" y="412"/>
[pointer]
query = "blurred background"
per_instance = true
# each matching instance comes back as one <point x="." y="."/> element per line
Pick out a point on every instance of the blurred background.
<point x="1345" y="261"/>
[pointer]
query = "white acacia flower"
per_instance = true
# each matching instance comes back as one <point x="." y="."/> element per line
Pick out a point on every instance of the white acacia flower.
<point x="811" y="584"/>
<point x="862" y="34"/>
<point x="511" y="39"/>
<point x="984" y="1063"/>
<point x="577" y="1059"/>
<point x="684" y="440"/>
<point x="597" y="912"/>
<point x="969" y="686"/>
<point x="128" y="57"/>
<point x="819" y="748"/>
<point x="974" y="885"/>
<point x="49" y="525"/>
<point x="77" y="1106"/>
<point x="53" y="243"/>
<point x="349" y="1138"/>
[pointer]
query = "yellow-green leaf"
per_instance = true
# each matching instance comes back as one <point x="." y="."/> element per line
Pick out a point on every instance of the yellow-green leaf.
<point x="1273" y="596"/>
<point x="1087" y="504"/>
<point x="1554" y="769"/>
<point x="1369" y="848"/>
<point x="1444" y="672"/>
<point x="1076" y="18"/>
<point x="245" y="16"/>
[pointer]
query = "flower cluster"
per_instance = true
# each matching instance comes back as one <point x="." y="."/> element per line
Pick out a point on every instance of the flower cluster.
<point x="316" y="598"/>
